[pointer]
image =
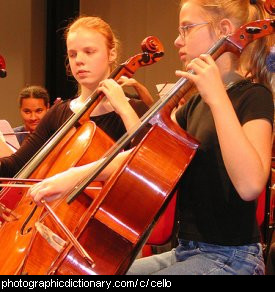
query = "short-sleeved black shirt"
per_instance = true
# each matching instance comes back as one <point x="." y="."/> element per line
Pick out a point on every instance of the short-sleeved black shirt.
<point x="211" y="210"/>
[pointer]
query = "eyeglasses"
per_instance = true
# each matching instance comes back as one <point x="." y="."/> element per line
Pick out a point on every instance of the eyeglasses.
<point x="185" y="28"/>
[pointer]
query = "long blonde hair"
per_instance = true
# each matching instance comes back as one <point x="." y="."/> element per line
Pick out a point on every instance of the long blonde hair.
<point x="253" y="59"/>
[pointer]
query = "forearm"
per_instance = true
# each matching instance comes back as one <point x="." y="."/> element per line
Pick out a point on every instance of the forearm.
<point x="85" y="170"/>
<point x="54" y="187"/>
<point x="129" y="118"/>
<point x="144" y="94"/>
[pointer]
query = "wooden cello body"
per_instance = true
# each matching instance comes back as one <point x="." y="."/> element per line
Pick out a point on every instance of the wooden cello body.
<point x="120" y="218"/>
<point x="17" y="236"/>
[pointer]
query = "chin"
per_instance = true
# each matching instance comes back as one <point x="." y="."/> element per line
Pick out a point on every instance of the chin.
<point x="88" y="83"/>
<point x="31" y="129"/>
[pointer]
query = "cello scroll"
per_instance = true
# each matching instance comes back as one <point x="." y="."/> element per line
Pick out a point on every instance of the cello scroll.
<point x="152" y="52"/>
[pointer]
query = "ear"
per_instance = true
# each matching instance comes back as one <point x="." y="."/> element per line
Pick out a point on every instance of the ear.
<point x="226" y="27"/>
<point x="112" y="55"/>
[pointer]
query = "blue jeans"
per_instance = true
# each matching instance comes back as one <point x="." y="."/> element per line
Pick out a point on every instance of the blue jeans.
<point x="196" y="258"/>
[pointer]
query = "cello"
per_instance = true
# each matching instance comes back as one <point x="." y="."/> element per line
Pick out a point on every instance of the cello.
<point x="113" y="232"/>
<point x="64" y="150"/>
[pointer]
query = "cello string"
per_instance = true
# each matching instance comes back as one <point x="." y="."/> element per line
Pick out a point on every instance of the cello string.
<point x="18" y="180"/>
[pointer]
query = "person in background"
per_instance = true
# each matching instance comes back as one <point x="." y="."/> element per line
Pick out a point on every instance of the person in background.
<point x="232" y="118"/>
<point x="34" y="102"/>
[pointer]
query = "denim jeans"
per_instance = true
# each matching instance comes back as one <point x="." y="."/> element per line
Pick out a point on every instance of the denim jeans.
<point x="196" y="258"/>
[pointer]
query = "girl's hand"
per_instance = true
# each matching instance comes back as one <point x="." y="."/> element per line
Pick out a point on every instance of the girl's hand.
<point x="207" y="78"/>
<point x="55" y="187"/>
<point x="113" y="91"/>
<point x="115" y="94"/>
<point x="125" y="81"/>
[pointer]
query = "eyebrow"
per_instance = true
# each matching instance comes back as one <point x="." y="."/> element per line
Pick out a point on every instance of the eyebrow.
<point x="85" y="48"/>
<point x="186" y="22"/>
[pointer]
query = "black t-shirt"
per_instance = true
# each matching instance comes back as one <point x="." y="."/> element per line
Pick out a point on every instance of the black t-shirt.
<point x="110" y="123"/>
<point x="210" y="208"/>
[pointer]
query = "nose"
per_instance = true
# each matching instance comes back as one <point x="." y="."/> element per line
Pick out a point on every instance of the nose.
<point x="179" y="42"/>
<point x="33" y="116"/>
<point x="79" y="58"/>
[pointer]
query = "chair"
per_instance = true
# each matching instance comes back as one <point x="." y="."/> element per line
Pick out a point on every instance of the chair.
<point x="164" y="228"/>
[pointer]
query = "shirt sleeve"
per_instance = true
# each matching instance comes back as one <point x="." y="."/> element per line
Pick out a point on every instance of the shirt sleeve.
<point x="182" y="112"/>
<point x="257" y="103"/>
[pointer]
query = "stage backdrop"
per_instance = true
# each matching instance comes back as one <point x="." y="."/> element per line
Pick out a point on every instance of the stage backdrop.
<point x="22" y="44"/>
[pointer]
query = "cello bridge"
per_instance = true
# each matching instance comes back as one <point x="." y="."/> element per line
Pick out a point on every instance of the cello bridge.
<point x="53" y="239"/>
